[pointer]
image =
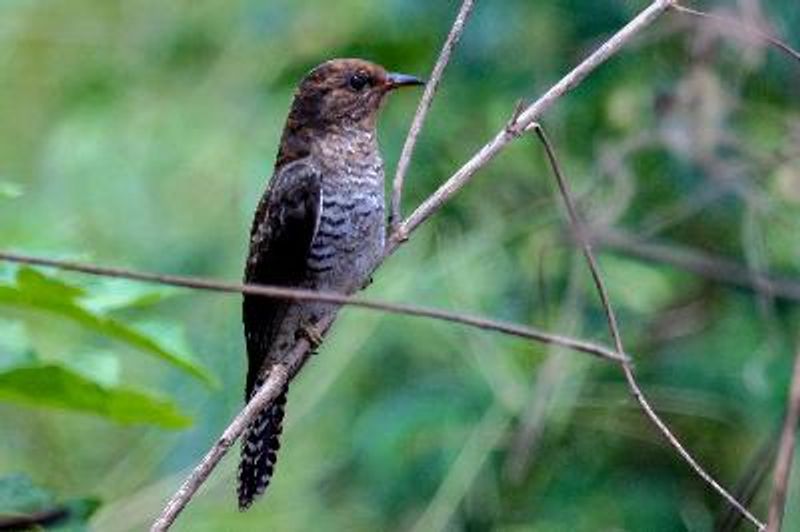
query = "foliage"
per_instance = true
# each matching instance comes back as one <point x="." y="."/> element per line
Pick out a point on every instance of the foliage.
<point x="35" y="291"/>
<point x="20" y="497"/>
<point x="54" y="386"/>
<point x="141" y="134"/>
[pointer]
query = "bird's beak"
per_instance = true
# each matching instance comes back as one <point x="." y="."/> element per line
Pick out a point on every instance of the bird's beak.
<point x="395" y="80"/>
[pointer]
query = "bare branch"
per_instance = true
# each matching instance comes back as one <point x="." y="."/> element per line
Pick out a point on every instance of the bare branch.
<point x="698" y="262"/>
<point x="749" y="483"/>
<point x="278" y="377"/>
<point x="627" y="368"/>
<point x="395" y="213"/>
<point x="457" y="181"/>
<point x="279" y="292"/>
<point x="783" y="463"/>
<point x="736" y="27"/>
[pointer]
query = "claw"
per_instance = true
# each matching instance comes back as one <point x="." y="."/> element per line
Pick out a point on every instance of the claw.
<point x="312" y="334"/>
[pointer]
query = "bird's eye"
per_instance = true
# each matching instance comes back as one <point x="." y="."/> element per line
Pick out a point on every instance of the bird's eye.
<point x="358" y="81"/>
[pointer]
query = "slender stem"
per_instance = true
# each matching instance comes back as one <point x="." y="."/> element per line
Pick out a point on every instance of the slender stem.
<point x="579" y="229"/>
<point x="783" y="463"/>
<point x="736" y="27"/>
<point x="279" y="292"/>
<point x="395" y="213"/>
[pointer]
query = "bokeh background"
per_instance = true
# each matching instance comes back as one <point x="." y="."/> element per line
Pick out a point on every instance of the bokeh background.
<point x="141" y="134"/>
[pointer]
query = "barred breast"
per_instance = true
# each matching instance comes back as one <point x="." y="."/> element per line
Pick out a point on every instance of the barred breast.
<point x="349" y="238"/>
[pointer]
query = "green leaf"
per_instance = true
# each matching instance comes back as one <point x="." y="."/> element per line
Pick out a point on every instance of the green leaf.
<point x="109" y="295"/>
<point x="54" y="386"/>
<point x="35" y="282"/>
<point x="19" y="495"/>
<point x="102" y="367"/>
<point x="15" y="347"/>
<point x="34" y="290"/>
<point x="20" y="498"/>
<point x="641" y="287"/>
<point x="10" y="190"/>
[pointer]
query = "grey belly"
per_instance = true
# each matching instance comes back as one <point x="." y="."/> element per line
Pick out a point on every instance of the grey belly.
<point x="348" y="243"/>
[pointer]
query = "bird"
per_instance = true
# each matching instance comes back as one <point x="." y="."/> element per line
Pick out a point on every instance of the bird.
<point x="319" y="225"/>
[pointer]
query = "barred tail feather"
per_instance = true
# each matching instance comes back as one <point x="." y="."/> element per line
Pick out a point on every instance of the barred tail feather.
<point x="260" y="446"/>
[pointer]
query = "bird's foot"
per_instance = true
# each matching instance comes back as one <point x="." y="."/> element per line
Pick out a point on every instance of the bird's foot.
<point x="311" y="333"/>
<point x="399" y="233"/>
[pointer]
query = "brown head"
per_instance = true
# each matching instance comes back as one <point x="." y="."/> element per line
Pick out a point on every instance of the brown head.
<point x="337" y="95"/>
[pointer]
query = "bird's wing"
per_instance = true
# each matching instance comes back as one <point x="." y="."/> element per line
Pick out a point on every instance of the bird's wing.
<point x="284" y="226"/>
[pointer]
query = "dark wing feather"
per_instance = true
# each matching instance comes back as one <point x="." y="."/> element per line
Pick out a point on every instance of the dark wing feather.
<point x="283" y="228"/>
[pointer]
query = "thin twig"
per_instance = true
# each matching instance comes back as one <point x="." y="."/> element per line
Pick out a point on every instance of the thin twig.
<point x="278" y="377"/>
<point x="513" y="130"/>
<point x="783" y="463"/>
<point x="731" y="25"/>
<point x="280" y="292"/>
<point x="699" y="262"/>
<point x="395" y="212"/>
<point x="749" y="483"/>
<point x="627" y="368"/>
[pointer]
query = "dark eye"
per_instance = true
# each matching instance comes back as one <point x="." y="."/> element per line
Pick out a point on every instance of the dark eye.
<point x="358" y="81"/>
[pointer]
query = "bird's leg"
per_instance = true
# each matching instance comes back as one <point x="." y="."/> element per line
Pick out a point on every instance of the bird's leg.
<point x="310" y="332"/>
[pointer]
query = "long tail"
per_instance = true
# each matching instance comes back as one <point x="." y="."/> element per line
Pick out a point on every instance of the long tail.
<point x="260" y="446"/>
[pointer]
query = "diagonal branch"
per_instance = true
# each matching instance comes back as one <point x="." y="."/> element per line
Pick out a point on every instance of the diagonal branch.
<point x="278" y="377"/>
<point x="395" y="213"/>
<point x="783" y="463"/>
<point x="627" y="368"/>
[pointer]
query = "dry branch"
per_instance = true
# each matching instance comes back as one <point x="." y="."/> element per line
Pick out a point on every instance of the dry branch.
<point x="749" y="483"/>
<point x="783" y="463"/>
<point x="395" y="212"/>
<point x="738" y="28"/>
<point x="627" y="368"/>
<point x="278" y="377"/>
<point x="279" y="292"/>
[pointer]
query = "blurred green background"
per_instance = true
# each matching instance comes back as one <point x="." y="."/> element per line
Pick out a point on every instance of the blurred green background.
<point x="141" y="134"/>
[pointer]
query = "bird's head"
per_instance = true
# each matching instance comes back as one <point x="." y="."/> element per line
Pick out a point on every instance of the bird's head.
<point x="344" y="93"/>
